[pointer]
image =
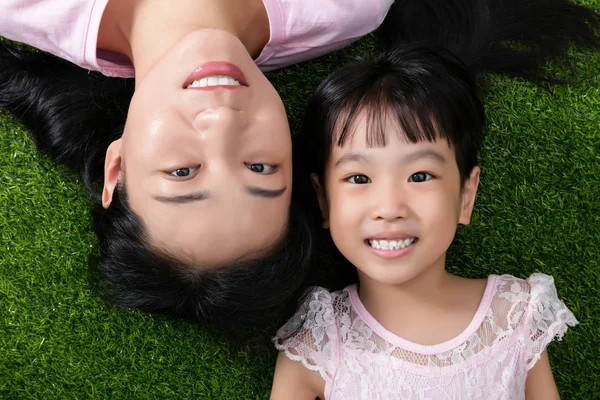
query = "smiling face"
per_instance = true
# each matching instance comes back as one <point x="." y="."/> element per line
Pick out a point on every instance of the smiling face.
<point x="393" y="210"/>
<point x="206" y="153"/>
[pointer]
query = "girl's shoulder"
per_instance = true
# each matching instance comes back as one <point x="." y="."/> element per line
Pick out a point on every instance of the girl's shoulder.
<point x="536" y="290"/>
<point x="311" y="336"/>
<point x="319" y="309"/>
<point x="532" y="309"/>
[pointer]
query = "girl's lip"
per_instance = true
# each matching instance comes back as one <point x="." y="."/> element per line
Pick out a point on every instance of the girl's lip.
<point x="216" y="68"/>
<point x="391" y="236"/>
<point x="391" y="254"/>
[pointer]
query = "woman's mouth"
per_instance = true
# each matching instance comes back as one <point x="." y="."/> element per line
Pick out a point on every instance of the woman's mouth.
<point x="212" y="81"/>
<point x="216" y="74"/>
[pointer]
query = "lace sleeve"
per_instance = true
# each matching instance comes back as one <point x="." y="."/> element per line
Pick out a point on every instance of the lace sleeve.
<point x="311" y="336"/>
<point x="547" y="318"/>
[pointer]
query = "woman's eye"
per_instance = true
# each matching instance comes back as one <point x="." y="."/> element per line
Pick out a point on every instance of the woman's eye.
<point x="420" y="177"/>
<point x="182" y="172"/>
<point x="261" y="168"/>
<point x="359" y="179"/>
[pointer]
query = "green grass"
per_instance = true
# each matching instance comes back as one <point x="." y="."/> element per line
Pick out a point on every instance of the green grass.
<point x="538" y="209"/>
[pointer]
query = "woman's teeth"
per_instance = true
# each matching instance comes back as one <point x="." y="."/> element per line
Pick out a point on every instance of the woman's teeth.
<point x="215" y="80"/>
<point x="391" y="244"/>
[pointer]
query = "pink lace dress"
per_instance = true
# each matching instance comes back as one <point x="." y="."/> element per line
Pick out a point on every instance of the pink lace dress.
<point x="334" y="334"/>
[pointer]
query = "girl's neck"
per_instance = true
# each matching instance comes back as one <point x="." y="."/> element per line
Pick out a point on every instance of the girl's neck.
<point x="145" y="30"/>
<point x="429" y="286"/>
<point x="433" y="307"/>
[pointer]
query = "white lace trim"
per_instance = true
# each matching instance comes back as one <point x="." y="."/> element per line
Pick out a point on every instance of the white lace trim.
<point x="548" y="318"/>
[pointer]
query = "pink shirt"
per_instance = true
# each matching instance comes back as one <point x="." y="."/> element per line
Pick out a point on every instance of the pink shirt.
<point x="300" y="29"/>
<point x="359" y="359"/>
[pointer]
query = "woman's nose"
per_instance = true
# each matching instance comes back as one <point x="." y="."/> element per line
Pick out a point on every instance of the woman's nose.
<point x="223" y="122"/>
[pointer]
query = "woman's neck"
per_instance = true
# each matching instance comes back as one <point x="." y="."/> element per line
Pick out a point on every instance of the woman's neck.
<point x="145" y="30"/>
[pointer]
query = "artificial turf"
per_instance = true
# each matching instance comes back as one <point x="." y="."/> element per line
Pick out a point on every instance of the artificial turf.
<point x="538" y="209"/>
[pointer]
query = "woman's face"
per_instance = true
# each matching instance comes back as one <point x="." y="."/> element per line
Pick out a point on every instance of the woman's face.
<point x="209" y="168"/>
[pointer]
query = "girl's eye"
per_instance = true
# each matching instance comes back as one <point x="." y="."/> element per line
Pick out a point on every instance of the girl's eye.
<point x="420" y="177"/>
<point x="359" y="179"/>
<point x="261" y="168"/>
<point x="182" y="172"/>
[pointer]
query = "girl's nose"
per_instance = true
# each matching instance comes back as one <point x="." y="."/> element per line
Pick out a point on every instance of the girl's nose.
<point x="390" y="205"/>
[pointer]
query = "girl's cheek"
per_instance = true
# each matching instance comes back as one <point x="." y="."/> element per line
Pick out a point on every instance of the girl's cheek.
<point x="350" y="207"/>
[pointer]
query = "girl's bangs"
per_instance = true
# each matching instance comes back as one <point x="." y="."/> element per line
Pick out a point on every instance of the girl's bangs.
<point x="416" y="119"/>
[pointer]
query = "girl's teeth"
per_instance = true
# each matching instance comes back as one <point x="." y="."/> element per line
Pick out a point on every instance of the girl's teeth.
<point x="391" y="244"/>
<point x="216" y="80"/>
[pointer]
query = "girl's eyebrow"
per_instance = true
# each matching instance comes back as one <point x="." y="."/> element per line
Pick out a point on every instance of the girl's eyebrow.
<point x="423" y="153"/>
<point x="352" y="156"/>
<point x="406" y="159"/>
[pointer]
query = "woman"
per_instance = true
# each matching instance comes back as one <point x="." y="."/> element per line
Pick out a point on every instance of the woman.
<point x="194" y="215"/>
<point x="194" y="181"/>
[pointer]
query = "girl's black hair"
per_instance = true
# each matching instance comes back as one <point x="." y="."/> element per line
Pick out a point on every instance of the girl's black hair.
<point x="426" y="76"/>
<point x="74" y="115"/>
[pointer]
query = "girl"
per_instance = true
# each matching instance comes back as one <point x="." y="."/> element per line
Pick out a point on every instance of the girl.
<point x="393" y="146"/>
<point x="198" y="224"/>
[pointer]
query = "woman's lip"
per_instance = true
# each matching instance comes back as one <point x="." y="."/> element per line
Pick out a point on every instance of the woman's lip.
<point x="216" y="68"/>
<point x="391" y="254"/>
<point x="208" y="88"/>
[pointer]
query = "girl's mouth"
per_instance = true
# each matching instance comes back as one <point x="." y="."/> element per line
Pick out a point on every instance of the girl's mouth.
<point x="391" y="244"/>
<point x="391" y="249"/>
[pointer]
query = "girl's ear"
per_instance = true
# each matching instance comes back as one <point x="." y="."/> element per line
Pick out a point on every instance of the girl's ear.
<point x="468" y="196"/>
<point x="112" y="171"/>
<point x="322" y="198"/>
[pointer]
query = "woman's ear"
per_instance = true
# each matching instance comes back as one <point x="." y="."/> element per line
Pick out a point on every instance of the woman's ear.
<point x="112" y="171"/>
<point x="322" y="198"/>
<point x="468" y="196"/>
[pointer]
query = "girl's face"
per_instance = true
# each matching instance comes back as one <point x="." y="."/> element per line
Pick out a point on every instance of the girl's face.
<point x="208" y="168"/>
<point x="393" y="211"/>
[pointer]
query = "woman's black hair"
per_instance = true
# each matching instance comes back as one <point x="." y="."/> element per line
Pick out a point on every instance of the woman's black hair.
<point x="426" y="77"/>
<point x="74" y="115"/>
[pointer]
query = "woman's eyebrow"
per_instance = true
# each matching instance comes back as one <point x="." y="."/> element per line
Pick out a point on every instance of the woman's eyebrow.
<point x="185" y="198"/>
<point x="204" y="195"/>
<point x="265" y="193"/>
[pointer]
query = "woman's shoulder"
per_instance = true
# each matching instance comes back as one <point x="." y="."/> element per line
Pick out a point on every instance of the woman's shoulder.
<point x="302" y="30"/>
<point x="65" y="28"/>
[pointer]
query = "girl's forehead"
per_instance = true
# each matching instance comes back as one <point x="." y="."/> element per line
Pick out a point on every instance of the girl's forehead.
<point x="377" y="126"/>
